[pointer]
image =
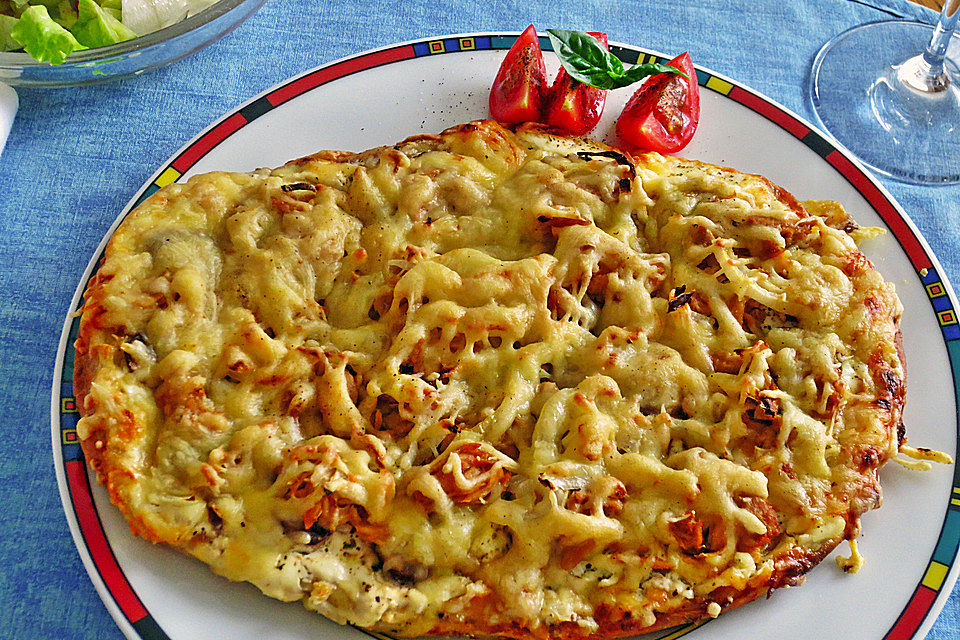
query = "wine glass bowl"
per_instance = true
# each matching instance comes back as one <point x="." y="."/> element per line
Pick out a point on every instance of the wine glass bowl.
<point x="890" y="93"/>
<point x="130" y="57"/>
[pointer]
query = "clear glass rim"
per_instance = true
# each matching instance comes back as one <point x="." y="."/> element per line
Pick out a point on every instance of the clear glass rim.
<point x="18" y="59"/>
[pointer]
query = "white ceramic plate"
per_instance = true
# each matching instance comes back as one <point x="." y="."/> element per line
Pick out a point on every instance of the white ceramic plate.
<point x="383" y="96"/>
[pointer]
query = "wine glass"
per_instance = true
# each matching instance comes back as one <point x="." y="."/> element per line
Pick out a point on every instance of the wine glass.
<point x="890" y="93"/>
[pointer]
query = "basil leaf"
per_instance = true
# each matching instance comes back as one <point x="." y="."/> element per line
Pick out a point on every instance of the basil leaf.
<point x="614" y="66"/>
<point x="640" y="71"/>
<point x="582" y="56"/>
<point x="585" y="59"/>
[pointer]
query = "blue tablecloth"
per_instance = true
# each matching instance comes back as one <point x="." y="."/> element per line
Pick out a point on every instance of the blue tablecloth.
<point x="75" y="156"/>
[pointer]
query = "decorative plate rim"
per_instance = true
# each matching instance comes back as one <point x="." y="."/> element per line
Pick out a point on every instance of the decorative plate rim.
<point x="125" y="606"/>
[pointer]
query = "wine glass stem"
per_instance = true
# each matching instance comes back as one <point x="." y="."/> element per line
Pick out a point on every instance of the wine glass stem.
<point x="925" y="73"/>
<point x="937" y="49"/>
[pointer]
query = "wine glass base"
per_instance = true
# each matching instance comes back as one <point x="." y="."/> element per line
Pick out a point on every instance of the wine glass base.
<point x="901" y="132"/>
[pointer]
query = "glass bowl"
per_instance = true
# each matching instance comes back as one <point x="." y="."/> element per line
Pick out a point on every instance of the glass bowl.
<point x="133" y="56"/>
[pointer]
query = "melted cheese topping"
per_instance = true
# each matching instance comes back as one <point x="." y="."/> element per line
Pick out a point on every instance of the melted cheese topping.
<point x="493" y="381"/>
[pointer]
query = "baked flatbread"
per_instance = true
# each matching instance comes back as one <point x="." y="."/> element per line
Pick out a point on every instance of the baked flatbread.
<point x="492" y="382"/>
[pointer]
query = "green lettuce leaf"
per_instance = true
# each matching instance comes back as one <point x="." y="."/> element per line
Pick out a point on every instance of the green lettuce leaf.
<point x="15" y="7"/>
<point x="67" y="14"/>
<point x="7" y="43"/>
<point x="49" y="4"/>
<point x="98" y="28"/>
<point x="43" y="38"/>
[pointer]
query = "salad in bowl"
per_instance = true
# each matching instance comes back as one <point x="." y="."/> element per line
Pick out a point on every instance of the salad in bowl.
<point x="58" y="43"/>
<point x="50" y="30"/>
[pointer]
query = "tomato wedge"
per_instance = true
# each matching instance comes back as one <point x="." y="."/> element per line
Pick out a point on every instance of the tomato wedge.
<point x="572" y="106"/>
<point x="518" y="90"/>
<point x="664" y="112"/>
